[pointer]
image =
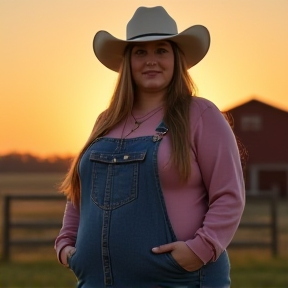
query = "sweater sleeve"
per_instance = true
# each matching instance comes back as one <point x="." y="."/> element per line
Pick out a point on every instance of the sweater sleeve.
<point x="218" y="158"/>
<point x="68" y="233"/>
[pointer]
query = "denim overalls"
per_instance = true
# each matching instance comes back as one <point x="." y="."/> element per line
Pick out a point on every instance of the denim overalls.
<point x="123" y="216"/>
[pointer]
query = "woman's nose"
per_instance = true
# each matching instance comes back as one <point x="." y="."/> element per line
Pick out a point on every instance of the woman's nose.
<point x="151" y="59"/>
<point x="151" y="63"/>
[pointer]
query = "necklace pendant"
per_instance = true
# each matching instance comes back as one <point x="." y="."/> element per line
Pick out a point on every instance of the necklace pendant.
<point x="137" y="125"/>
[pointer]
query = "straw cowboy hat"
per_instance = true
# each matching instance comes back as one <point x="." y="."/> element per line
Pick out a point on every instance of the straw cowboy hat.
<point x="151" y="24"/>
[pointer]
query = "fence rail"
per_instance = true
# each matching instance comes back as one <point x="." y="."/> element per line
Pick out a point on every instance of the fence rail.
<point x="8" y="224"/>
<point x="270" y="198"/>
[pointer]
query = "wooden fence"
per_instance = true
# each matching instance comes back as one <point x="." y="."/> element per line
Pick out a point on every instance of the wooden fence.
<point x="270" y="199"/>
<point x="8" y="224"/>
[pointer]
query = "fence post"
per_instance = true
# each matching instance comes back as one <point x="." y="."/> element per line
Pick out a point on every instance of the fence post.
<point x="274" y="228"/>
<point x="6" y="228"/>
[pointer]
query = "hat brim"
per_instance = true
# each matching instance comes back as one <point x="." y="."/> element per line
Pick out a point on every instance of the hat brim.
<point x="194" y="43"/>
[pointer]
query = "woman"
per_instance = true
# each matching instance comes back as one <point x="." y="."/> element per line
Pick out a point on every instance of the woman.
<point x="156" y="194"/>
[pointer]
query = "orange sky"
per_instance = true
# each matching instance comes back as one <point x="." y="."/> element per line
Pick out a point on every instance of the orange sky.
<point x="52" y="87"/>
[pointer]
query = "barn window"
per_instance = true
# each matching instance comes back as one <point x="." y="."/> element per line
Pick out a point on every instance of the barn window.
<point x="251" y="123"/>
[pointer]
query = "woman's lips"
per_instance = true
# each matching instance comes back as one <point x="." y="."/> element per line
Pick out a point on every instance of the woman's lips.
<point x="151" y="73"/>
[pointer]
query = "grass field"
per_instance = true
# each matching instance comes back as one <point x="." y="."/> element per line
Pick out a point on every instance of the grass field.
<point x="36" y="267"/>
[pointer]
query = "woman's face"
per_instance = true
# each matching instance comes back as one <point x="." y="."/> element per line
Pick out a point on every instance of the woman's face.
<point x="152" y="66"/>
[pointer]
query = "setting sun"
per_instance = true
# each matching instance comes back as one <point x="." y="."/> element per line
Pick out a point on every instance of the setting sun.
<point x="53" y="87"/>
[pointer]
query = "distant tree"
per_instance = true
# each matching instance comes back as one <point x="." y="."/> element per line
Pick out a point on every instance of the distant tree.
<point x="15" y="162"/>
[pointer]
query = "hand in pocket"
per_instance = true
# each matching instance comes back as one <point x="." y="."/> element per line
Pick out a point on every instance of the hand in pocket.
<point x="185" y="257"/>
<point x="66" y="252"/>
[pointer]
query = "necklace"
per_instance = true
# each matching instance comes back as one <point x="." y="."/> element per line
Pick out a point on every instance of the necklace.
<point x="137" y="123"/>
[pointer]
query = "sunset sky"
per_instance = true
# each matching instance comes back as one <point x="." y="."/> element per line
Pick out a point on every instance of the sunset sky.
<point x="52" y="87"/>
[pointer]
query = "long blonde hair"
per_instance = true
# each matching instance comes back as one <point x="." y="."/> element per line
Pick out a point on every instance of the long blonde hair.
<point x="176" y="118"/>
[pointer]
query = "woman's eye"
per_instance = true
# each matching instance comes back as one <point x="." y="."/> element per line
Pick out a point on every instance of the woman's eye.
<point x="162" y="50"/>
<point x="139" y="52"/>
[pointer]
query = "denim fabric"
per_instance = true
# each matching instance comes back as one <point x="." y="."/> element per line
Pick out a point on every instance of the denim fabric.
<point x="123" y="216"/>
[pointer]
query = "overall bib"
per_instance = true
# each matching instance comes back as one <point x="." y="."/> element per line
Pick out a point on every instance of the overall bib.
<point x="123" y="216"/>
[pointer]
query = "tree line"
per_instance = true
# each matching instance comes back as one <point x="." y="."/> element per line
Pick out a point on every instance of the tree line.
<point x="27" y="163"/>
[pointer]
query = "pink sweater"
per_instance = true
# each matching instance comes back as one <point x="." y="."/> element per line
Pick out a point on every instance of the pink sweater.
<point x="204" y="212"/>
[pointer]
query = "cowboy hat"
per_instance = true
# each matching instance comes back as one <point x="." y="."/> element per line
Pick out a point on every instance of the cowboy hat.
<point x="151" y="24"/>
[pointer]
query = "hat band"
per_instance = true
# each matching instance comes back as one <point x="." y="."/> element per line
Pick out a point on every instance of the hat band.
<point x="150" y="34"/>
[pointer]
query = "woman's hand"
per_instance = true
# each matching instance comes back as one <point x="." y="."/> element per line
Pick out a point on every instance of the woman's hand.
<point x="68" y="250"/>
<point x="182" y="254"/>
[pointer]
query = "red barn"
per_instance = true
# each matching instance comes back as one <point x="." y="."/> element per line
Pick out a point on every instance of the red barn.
<point x="263" y="129"/>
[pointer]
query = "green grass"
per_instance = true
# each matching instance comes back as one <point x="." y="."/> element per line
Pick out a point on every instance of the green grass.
<point x="250" y="272"/>
<point x="35" y="275"/>
<point x="257" y="269"/>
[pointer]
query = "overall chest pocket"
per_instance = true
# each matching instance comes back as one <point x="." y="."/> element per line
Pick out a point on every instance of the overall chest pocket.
<point x="115" y="178"/>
